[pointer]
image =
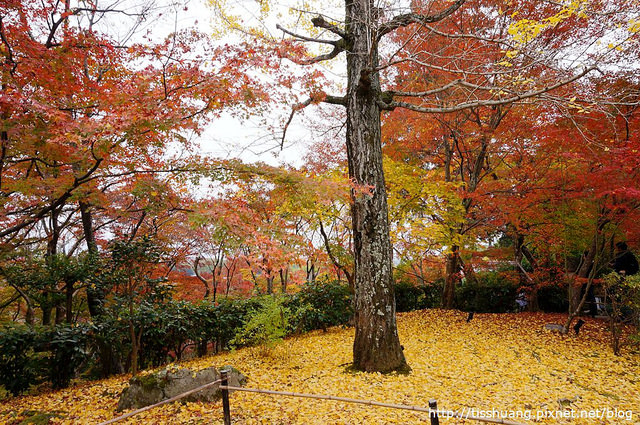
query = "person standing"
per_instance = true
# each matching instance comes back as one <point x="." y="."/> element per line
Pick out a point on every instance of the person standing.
<point x="624" y="262"/>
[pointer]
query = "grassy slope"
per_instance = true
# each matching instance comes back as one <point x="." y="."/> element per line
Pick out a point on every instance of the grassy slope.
<point x="505" y="362"/>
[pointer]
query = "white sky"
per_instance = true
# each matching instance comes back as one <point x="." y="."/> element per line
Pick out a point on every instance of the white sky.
<point x="229" y="137"/>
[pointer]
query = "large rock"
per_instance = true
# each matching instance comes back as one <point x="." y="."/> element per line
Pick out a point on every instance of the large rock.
<point x="554" y="327"/>
<point x="152" y="388"/>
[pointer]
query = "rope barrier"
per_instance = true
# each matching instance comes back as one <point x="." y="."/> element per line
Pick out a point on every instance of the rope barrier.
<point x="169" y="400"/>
<point x="448" y="413"/>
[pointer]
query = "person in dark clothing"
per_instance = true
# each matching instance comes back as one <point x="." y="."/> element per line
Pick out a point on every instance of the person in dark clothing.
<point x="624" y="263"/>
<point x="590" y="302"/>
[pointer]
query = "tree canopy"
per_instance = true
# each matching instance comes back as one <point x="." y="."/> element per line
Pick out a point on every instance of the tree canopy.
<point x="477" y="136"/>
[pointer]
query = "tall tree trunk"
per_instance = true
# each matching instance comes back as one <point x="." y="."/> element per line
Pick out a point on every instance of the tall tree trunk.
<point x="69" y="300"/>
<point x="47" y="310"/>
<point x="60" y="313"/>
<point x="109" y="360"/>
<point x="533" y="305"/>
<point x="230" y="271"/>
<point x="87" y="226"/>
<point x="29" y="318"/>
<point x="588" y="269"/>
<point x="311" y="271"/>
<point x="4" y="144"/>
<point x="135" y="346"/>
<point x="50" y="295"/>
<point x="30" y="313"/>
<point x="452" y="267"/>
<point x="520" y="251"/>
<point x="205" y="282"/>
<point x="585" y="269"/>
<point x="95" y="297"/>
<point x="216" y="273"/>
<point x="376" y="346"/>
<point x="270" y="280"/>
<point x="284" y="277"/>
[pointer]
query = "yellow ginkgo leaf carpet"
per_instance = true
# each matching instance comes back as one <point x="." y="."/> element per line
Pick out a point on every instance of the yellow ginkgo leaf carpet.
<point x="496" y="365"/>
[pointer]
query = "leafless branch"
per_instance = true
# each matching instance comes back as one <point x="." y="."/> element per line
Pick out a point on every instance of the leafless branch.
<point x="335" y="100"/>
<point x="484" y="73"/>
<point x="320" y="22"/>
<point x="305" y="38"/>
<point x="407" y="19"/>
<point x="295" y="109"/>
<point x="77" y="10"/>
<point x="470" y="36"/>
<point x="426" y="92"/>
<point x="321" y="58"/>
<point x="487" y="102"/>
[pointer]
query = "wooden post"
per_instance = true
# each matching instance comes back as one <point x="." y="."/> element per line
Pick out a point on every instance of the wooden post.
<point x="433" y="414"/>
<point x="225" y="397"/>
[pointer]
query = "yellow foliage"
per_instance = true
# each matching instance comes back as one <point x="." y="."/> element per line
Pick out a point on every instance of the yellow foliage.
<point x="256" y="18"/>
<point x="423" y="210"/>
<point x="511" y="54"/>
<point x="496" y="361"/>
<point x="526" y="30"/>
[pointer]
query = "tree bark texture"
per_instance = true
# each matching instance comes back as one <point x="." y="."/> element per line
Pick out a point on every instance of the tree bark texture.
<point x="452" y="268"/>
<point x="520" y="252"/>
<point x="376" y="346"/>
<point x="588" y="263"/>
<point x="95" y="297"/>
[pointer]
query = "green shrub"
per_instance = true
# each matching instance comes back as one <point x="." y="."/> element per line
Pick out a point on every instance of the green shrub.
<point x="266" y="326"/>
<point x="27" y="355"/>
<point x="67" y="346"/>
<point x="168" y="327"/>
<point x="410" y="297"/>
<point x="227" y="319"/>
<point x="163" y="330"/>
<point x="631" y="300"/>
<point x="623" y="293"/>
<point x="19" y="366"/>
<point x="109" y="345"/>
<point x="433" y="294"/>
<point x="494" y="292"/>
<point x="320" y="305"/>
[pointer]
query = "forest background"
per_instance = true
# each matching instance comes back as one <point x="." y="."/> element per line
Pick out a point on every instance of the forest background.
<point x="509" y="143"/>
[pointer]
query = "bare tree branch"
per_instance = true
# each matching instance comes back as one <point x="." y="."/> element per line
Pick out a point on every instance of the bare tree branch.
<point x="334" y="100"/>
<point x="321" y="58"/>
<point x="488" y="102"/>
<point x="407" y="19"/>
<point x="427" y="92"/>
<point x="331" y="255"/>
<point x="319" y="22"/>
<point x="77" y="10"/>
<point x="305" y="38"/>
<point x="482" y="73"/>
<point x="469" y="36"/>
<point x="295" y="109"/>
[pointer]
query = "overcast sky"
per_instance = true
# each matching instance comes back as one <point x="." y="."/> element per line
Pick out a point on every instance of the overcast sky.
<point x="228" y="137"/>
